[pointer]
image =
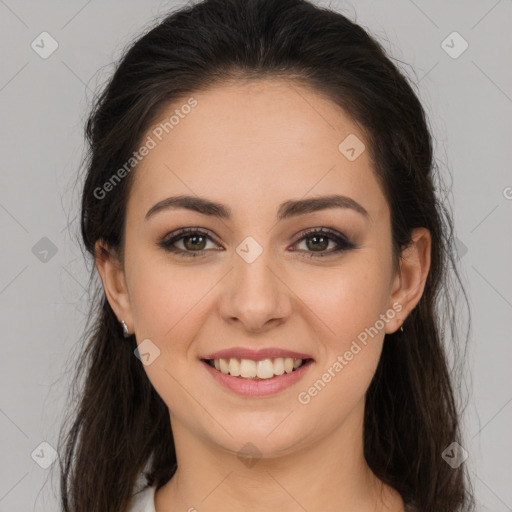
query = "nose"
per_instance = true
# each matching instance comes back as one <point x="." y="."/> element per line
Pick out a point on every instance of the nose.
<point x="255" y="295"/>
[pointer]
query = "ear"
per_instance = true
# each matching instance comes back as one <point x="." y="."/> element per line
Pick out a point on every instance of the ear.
<point x="409" y="282"/>
<point x="114" y="282"/>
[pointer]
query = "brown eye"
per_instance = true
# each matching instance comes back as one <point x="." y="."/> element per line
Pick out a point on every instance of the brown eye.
<point x="318" y="240"/>
<point x="318" y="243"/>
<point x="193" y="242"/>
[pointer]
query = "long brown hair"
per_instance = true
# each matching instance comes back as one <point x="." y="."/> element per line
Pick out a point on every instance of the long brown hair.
<point x="118" y="427"/>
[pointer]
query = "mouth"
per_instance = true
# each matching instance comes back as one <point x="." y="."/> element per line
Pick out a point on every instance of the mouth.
<point x="257" y="370"/>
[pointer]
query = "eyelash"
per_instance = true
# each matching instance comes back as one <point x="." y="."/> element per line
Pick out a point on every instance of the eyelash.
<point x="167" y="243"/>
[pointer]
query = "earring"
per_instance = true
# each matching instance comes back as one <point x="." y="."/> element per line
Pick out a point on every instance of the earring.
<point x="126" y="332"/>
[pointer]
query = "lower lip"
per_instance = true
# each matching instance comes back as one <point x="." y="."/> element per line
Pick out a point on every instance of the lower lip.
<point x="264" y="387"/>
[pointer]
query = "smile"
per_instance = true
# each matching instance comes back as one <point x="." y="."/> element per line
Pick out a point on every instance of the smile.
<point x="257" y="378"/>
<point x="251" y="369"/>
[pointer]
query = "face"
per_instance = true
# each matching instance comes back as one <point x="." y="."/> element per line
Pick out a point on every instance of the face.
<point x="266" y="280"/>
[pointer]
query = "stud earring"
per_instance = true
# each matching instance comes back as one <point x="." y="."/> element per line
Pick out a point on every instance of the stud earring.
<point x="126" y="332"/>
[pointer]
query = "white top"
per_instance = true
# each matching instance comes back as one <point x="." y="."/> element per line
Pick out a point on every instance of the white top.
<point x="143" y="501"/>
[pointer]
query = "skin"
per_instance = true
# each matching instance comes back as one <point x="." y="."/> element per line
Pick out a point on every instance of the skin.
<point x="310" y="455"/>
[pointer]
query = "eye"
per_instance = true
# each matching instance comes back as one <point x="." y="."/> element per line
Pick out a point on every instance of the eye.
<point x="319" y="240"/>
<point x="193" y="241"/>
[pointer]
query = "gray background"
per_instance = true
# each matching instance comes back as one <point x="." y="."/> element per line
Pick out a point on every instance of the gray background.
<point x="43" y="297"/>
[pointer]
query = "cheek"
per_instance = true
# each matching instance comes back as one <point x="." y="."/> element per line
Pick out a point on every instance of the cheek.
<point x="168" y="304"/>
<point x="346" y="299"/>
<point x="164" y="295"/>
<point x="350" y="356"/>
<point x="347" y="303"/>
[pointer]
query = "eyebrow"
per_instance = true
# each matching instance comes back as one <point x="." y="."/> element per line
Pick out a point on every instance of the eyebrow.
<point x="286" y="210"/>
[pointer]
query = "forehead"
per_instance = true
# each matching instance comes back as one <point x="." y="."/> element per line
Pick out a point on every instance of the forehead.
<point x="255" y="145"/>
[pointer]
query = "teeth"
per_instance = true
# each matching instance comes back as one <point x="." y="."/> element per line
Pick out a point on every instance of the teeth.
<point x="247" y="369"/>
<point x="234" y="367"/>
<point x="264" y="369"/>
<point x="279" y="366"/>
<point x="224" y="368"/>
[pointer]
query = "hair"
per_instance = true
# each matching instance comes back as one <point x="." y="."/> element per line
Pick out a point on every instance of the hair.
<point x="119" y="427"/>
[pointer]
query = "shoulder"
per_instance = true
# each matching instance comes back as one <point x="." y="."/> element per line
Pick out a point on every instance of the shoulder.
<point x="143" y="500"/>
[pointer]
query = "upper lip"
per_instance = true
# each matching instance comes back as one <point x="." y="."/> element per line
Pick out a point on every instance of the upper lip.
<point x="255" y="355"/>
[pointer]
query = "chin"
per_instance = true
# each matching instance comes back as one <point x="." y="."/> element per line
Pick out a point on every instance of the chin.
<point x="263" y="442"/>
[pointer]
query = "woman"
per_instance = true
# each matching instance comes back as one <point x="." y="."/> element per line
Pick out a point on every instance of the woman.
<point x="261" y="209"/>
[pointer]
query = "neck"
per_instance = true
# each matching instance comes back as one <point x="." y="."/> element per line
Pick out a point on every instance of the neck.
<point x="331" y="475"/>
